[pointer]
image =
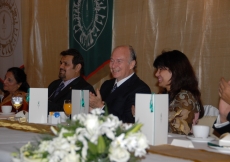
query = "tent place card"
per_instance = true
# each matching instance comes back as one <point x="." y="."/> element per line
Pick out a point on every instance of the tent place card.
<point x="80" y="101"/>
<point x="152" y="111"/>
<point x="38" y="105"/>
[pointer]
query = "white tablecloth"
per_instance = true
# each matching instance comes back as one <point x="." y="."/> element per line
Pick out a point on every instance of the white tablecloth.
<point x="12" y="140"/>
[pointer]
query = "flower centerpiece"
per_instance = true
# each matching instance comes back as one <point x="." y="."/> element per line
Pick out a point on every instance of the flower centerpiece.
<point x="90" y="138"/>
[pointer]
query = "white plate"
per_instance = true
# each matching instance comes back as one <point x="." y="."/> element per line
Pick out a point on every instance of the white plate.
<point x="194" y="139"/>
<point x="215" y="145"/>
<point x="175" y="135"/>
<point x="12" y="113"/>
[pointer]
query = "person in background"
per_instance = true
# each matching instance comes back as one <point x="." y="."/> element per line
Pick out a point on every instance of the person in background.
<point x="15" y="84"/>
<point x="177" y="78"/>
<point x="119" y="93"/>
<point x="222" y="123"/>
<point x="71" y="69"/>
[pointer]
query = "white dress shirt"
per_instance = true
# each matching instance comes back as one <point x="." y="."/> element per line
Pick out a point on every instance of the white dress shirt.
<point x="67" y="82"/>
<point x="218" y="124"/>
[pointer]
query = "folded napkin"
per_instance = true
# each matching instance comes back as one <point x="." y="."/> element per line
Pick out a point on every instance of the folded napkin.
<point x="21" y="117"/>
<point x="31" y="127"/>
<point x="225" y="140"/>
<point x="22" y="114"/>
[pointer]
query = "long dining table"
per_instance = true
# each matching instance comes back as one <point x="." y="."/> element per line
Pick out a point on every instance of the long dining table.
<point x="11" y="140"/>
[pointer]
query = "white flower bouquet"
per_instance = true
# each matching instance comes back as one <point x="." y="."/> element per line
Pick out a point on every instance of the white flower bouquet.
<point x="90" y="138"/>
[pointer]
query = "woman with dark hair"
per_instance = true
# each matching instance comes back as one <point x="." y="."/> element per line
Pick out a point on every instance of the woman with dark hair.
<point x="15" y="84"/>
<point x="177" y="78"/>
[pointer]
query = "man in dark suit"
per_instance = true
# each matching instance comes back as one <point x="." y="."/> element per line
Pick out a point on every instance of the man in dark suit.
<point x="71" y="68"/>
<point x="222" y="124"/>
<point x="119" y="93"/>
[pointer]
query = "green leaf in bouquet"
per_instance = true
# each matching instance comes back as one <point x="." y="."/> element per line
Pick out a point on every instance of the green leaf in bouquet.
<point x="133" y="158"/>
<point x="106" y="110"/>
<point x="68" y="134"/>
<point x="101" y="145"/>
<point x="15" y="155"/>
<point x="92" y="148"/>
<point x="119" y="131"/>
<point x="46" y="138"/>
<point x="135" y="128"/>
<point x="79" y="144"/>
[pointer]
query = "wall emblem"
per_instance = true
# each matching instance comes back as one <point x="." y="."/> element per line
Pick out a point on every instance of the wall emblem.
<point x="89" y="18"/>
<point x="9" y="27"/>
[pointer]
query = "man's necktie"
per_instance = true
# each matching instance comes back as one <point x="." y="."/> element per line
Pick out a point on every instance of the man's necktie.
<point x="114" y="87"/>
<point x="58" y="89"/>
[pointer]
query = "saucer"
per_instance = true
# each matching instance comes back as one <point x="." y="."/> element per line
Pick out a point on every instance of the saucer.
<point x="215" y="145"/>
<point x="11" y="113"/>
<point x="199" y="139"/>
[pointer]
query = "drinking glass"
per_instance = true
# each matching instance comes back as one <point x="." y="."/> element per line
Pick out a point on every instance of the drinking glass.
<point x="67" y="106"/>
<point x="17" y="102"/>
<point x="1" y="97"/>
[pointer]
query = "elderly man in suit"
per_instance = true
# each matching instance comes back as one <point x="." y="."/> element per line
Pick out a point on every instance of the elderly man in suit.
<point x="71" y="68"/>
<point x="119" y="93"/>
<point x="222" y="124"/>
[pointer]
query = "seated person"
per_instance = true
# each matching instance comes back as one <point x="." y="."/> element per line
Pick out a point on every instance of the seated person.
<point x="222" y="123"/>
<point x="119" y="93"/>
<point x="15" y="84"/>
<point x="177" y="78"/>
<point x="71" y="67"/>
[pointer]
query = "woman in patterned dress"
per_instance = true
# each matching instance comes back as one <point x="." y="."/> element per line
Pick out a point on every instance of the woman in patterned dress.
<point x="177" y="78"/>
<point x="15" y="84"/>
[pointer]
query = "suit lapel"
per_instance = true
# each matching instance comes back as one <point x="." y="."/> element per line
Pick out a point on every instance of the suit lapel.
<point x="122" y="89"/>
<point x="67" y="88"/>
<point x="53" y="88"/>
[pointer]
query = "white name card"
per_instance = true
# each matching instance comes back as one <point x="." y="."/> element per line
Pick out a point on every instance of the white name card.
<point x="152" y="111"/>
<point x="80" y="101"/>
<point x="38" y="105"/>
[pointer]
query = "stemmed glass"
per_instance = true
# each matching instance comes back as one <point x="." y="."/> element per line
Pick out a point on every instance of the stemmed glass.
<point x="67" y="106"/>
<point x="1" y="95"/>
<point x="17" y="102"/>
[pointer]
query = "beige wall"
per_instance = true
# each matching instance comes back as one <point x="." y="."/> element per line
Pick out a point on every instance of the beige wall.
<point x="199" y="28"/>
<point x="45" y="35"/>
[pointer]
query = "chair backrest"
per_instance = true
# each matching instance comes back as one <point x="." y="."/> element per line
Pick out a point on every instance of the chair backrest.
<point x="210" y="115"/>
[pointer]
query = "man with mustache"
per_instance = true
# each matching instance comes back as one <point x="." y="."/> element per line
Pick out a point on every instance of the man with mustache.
<point x="71" y="69"/>
<point x="119" y="93"/>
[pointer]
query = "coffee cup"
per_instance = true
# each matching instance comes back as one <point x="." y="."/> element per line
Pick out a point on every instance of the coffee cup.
<point x="6" y="109"/>
<point x="200" y="131"/>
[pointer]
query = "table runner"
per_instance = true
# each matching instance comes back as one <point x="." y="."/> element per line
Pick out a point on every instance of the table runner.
<point x="196" y="155"/>
<point x="31" y="127"/>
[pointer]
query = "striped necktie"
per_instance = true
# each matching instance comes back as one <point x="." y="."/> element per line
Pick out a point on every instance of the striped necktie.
<point x="58" y="89"/>
<point x="114" y="87"/>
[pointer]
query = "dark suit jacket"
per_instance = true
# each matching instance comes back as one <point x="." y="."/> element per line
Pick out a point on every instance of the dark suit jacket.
<point x="56" y="103"/>
<point x="120" y="101"/>
<point x="224" y="129"/>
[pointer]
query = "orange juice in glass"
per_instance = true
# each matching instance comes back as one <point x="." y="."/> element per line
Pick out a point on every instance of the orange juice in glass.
<point x="67" y="106"/>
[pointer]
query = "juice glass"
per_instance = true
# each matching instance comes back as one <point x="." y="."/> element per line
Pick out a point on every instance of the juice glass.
<point x="67" y="106"/>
